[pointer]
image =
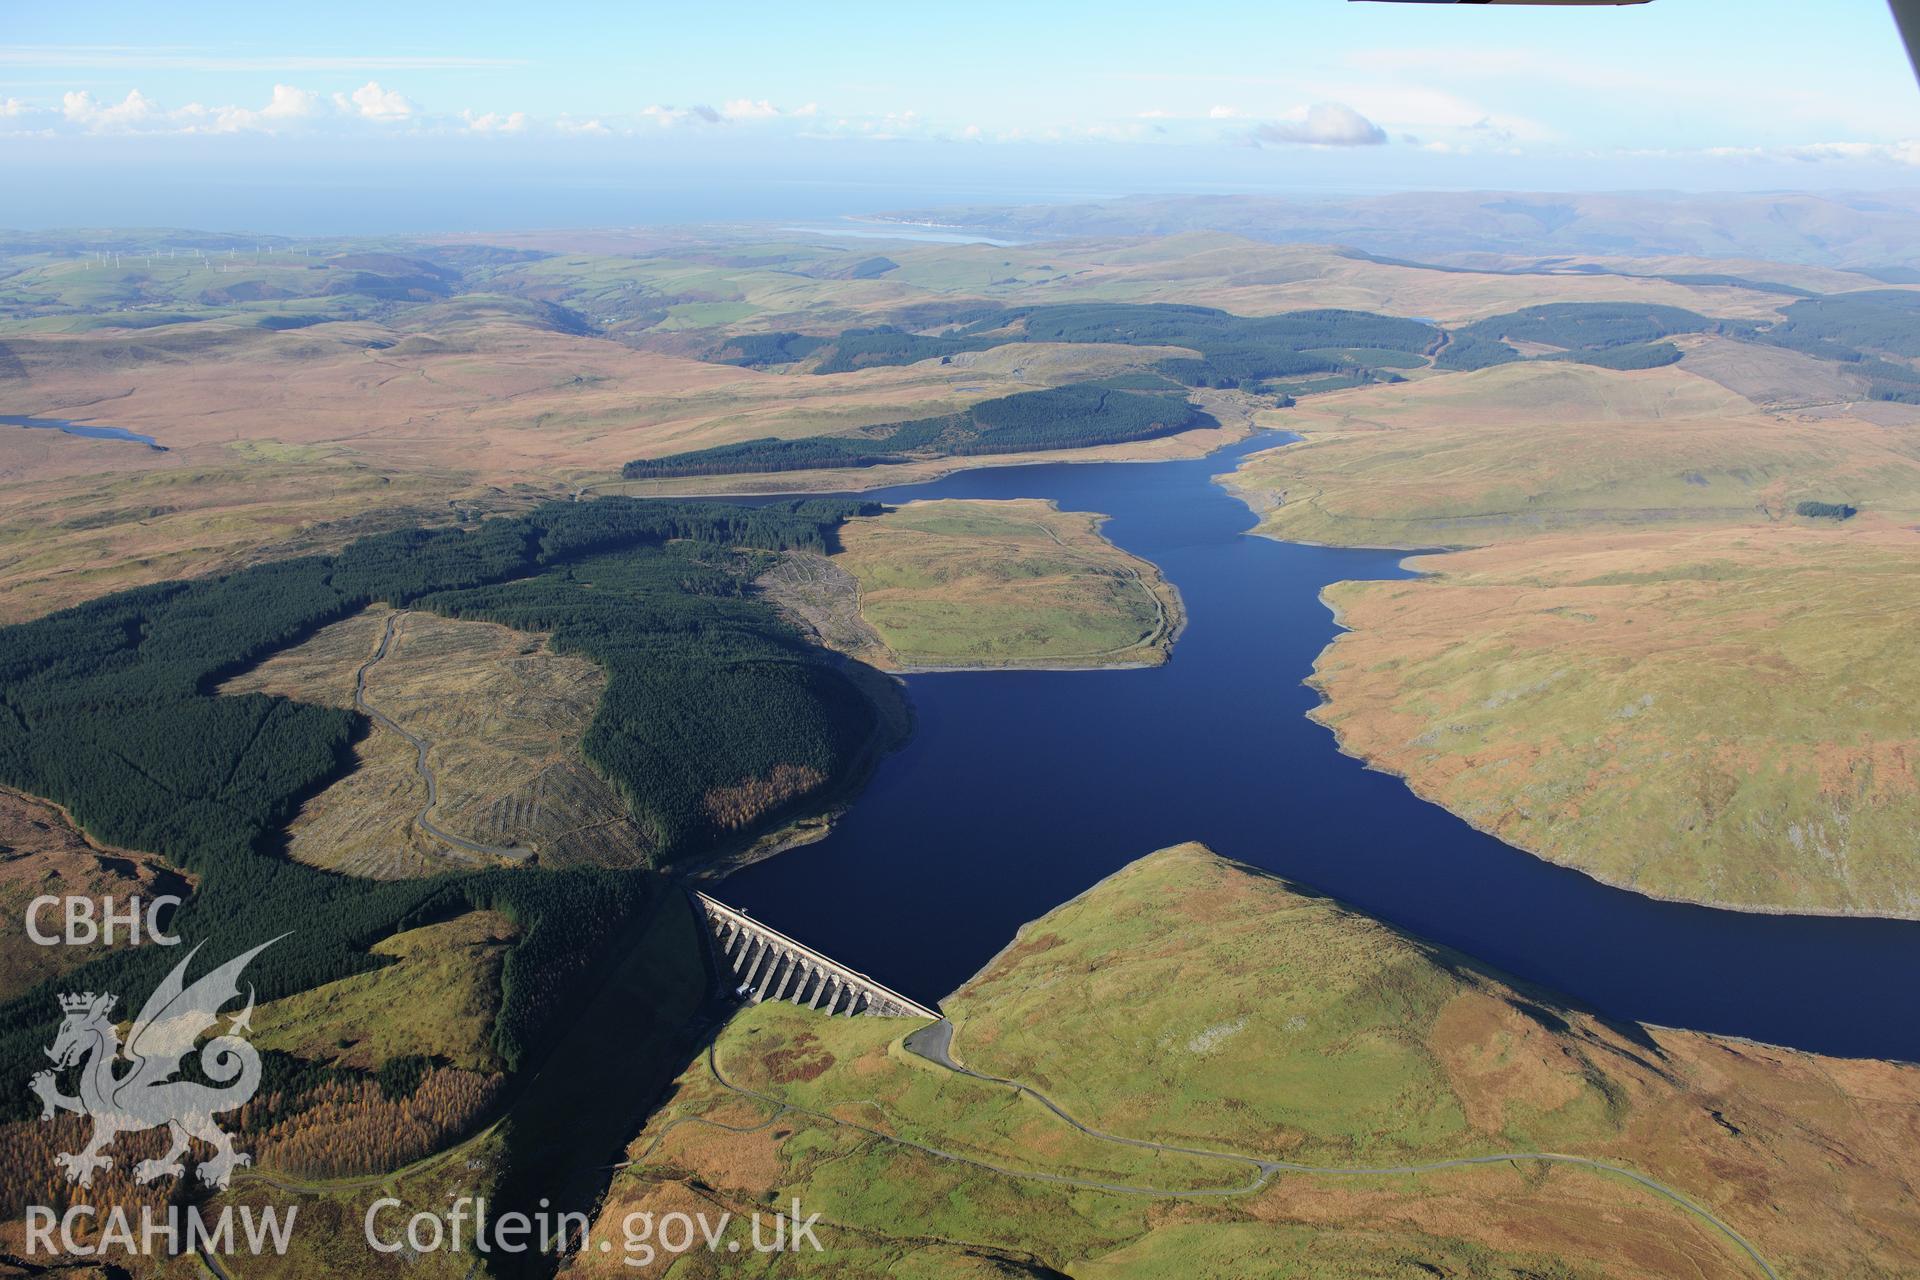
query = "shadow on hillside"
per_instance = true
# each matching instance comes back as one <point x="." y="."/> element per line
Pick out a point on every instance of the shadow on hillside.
<point x="570" y="1128"/>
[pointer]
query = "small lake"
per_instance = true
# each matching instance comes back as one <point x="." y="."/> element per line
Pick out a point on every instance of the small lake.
<point x="81" y="429"/>
<point x="1020" y="789"/>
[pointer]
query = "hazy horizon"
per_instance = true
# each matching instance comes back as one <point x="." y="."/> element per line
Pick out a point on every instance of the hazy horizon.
<point x="282" y="207"/>
<point x="234" y="117"/>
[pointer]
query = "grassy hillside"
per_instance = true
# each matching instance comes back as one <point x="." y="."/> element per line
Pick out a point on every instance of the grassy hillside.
<point x="1723" y="715"/>
<point x="276" y="288"/>
<point x="1715" y="711"/>
<point x="1520" y="449"/>
<point x="1193" y="1001"/>
<point x="963" y="583"/>
<point x="437" y="999"/>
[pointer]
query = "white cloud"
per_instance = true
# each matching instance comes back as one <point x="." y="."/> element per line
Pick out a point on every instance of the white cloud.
<point x="1415" y="107"/>
<point x="371" y="102"/>
<point x="287" y="105"/>
<point x="1223" y="113"/>
<point x="1719" y="92"/>
<point x="11" y="107"/>
<point x="1324" y="124"/>
<point x="566" y="124"/>
<point x="889" y="127"/>
<point x="732" y="111"/>
<point x="494" y="122"/>
<point x="1905" y="152"/>
<point x="747" y="109"/>
<point x="1127" y="131"/>
<point x="668" y="116"/>
<point x="83" y="110"/>
<point x="137" y="113"/>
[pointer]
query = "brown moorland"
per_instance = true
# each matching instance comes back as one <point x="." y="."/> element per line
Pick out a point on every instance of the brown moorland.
<point x="283" y="440"/>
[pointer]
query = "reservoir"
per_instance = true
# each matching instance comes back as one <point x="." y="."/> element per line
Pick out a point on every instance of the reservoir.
<point x="1019" y="789"/>
<point x="80" y="429"/>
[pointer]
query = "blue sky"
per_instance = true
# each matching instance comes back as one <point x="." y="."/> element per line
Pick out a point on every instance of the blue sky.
<point x="914" y="103"/>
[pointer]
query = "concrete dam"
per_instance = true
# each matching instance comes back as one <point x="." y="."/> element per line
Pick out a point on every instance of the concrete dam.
<point x="761" y="963"/>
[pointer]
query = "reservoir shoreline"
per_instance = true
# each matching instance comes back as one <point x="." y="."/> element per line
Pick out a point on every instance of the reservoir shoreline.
<point x="1019" y="789"/>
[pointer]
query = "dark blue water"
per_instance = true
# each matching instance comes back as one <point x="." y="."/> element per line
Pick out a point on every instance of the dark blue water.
<point x="79" y="429"/>
<point x="1020" y="789"/>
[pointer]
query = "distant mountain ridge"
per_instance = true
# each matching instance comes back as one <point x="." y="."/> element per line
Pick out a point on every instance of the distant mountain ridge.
<point x="1877" y="231"/>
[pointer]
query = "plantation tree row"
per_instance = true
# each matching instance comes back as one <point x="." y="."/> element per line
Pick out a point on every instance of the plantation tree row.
<point x="1078" y="416"/>
<point x="1612" y="335"/>
<point x="1861" y="330"/>
<point x="1233" y="350"/>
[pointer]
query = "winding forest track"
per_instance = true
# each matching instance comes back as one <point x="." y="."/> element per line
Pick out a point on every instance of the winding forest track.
<point x="424" y="818"/>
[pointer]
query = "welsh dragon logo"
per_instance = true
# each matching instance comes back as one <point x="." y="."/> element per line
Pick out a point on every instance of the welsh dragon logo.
<point x="146" y="1094"/>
